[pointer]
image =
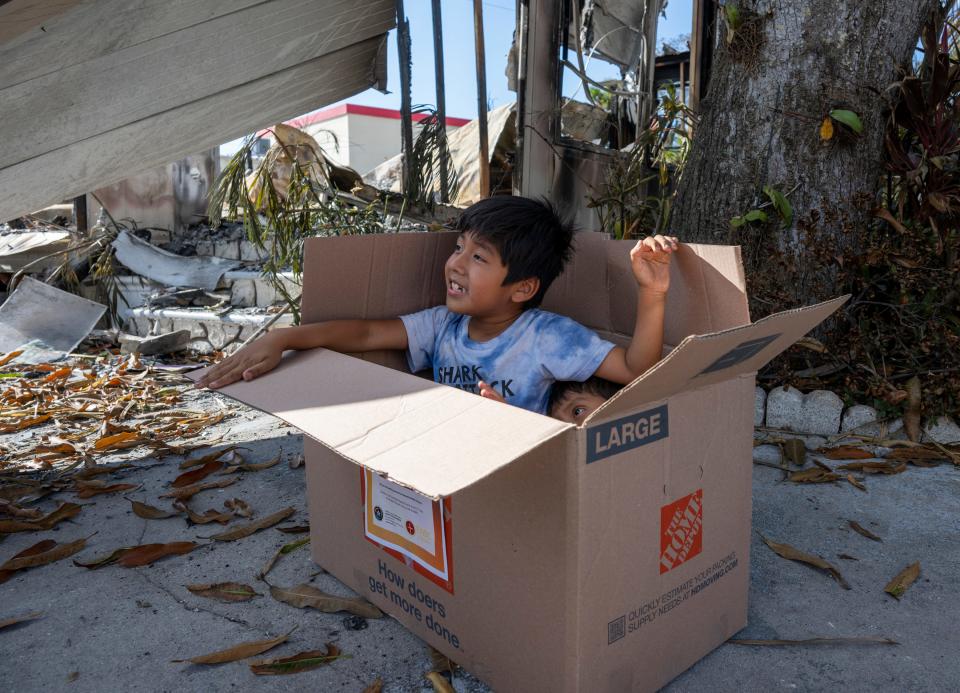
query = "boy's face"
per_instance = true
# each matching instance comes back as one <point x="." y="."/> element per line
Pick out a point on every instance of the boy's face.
<point x="474" y="275"/>
<point x="574" y="407"/>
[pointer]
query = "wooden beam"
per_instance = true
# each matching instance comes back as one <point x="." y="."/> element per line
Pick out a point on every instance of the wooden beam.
<point x="481" y="99"/>
<point x="169" y="71"/>
<point x="406" y="118"/>
<point x="163" y="137"/>
<point x="441" y="91"/>
<point x="540" y="102"/>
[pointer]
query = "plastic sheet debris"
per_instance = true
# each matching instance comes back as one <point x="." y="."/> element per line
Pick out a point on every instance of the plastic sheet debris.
<point x="167" y="268"/>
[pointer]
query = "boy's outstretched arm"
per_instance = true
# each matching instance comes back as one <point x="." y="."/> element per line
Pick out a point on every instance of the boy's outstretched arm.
<point x="650" y="260"/>
<point x="264" y="354"/>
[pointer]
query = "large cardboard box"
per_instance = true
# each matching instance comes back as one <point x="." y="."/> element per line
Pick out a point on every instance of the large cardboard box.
<point x="540" y="555"/>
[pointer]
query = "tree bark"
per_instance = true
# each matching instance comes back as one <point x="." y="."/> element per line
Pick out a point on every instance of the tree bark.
<point x="790" y="63"/>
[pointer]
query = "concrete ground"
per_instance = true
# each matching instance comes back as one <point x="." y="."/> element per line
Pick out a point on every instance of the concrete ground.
<point x="116" y="629"/>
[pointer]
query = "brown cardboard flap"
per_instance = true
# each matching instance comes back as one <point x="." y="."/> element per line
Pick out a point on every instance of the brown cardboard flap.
<point x="430" y="437"/>
<point x="706" y="359"/>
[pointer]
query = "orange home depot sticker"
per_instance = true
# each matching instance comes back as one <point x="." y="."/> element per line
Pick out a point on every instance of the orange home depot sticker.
<point x="681" y="530"/>
<point x="409" y="526"/>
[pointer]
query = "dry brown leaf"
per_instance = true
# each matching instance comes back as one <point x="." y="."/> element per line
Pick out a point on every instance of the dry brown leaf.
<point x="916" y="453"/>
<point x="197" y="475"/>
<point x="100" y="470"/>
<point x="190" y="491"/>
<point x="294" y="529"/>
<point x="145" y="554"/>
<point x="911" y="413"/>
<point x="856" y="484"/>
<point x="216" y="455"/>
<point x="440" y="683"/>
<point x="14" y="620"/>
<point x="210" y="515"/>
<point x="238" y="507"/>
<point x="866" y="640"/>
<point x="375" y="687"/>
<point x="88" y="489"/>
<point x="795" y="451"/>
<point x="260" y="466"/>
<point x="847" y="557"/>
<point x="304" y="661"/>
<point x="119" y="441"/>
<point x="303" y="596"/>
<point x="37" y="548"/>
<point x="149" y="512"/>
<point x="826" y="129"/>
<point x="884" y="467"/>
<point x="64" y="512"/>
<point x="902" y="581"/>
<point x="241" y="651"/>
<point x="14" y="510"/>
<point x="794" y="554"/>
<point x="10" y="357"/>
<point x="846" y="452"/>
<point x="225" y="591"/>
<point x="862" y="531"/>
<point x="282" y="551"/>
<point x="248" y="529"/>
<point x="51" y="555"/>
<point x="813" y="475"/>
<point x="24" y="423"/>
<point x="102" y="561"/>
<point x="441" y="662"/>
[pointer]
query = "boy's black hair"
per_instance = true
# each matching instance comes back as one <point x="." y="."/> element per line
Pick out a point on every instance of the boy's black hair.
<point x="591" y="386"/>
<point x="532" y="239"/>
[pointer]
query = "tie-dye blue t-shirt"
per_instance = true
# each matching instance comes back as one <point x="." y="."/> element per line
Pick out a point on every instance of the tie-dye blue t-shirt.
<point x="521" y="363"/>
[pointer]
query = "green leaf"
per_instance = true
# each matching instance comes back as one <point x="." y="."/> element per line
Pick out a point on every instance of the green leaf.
<point x="848" y="118"/>
<point x="737" y="222"/>
<point x="755" y="215"/>
<point x="780" y="203"/>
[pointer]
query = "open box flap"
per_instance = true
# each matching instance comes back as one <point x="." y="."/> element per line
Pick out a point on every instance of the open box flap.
<point x="433" y="438"/>
<point x="702" y="360"/>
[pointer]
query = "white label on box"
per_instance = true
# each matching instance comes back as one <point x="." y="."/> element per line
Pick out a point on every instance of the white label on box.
<point x="407" y="522"/>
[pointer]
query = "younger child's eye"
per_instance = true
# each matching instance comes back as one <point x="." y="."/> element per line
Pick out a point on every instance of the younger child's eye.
<point x="579" y="411"/>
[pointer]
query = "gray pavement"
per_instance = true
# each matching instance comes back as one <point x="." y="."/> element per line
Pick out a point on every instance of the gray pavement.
<point x="117" y="629"/>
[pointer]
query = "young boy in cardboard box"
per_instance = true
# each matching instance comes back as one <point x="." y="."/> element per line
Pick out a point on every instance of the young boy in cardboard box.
<point x="490" y="337"/>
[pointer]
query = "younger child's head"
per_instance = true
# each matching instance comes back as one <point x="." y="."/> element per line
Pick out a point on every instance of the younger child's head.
<point x="532" y="242"/>
<point x="573" y="402"/>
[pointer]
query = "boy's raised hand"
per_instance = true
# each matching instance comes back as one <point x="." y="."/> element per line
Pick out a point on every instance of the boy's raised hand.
<point x="650" y="260"/>
<point x="252" y="360"/>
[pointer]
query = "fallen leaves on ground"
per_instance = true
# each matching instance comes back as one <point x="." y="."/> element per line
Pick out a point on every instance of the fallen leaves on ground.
<point x="902" y="581"/>
<point x="241" y="651"/>
<point x="145" y="554"/>
<point x="14" y="620"/>
<point x="282" y="551"/>
<point x="221" y="455"/>
<point x="49" y="554"/>
<point x="238" y="507"/>
<point x="846" y="452"/>
<point x="304" y="661"/>
<point x="37" y="548"/>
<point x="856" y="483"/>
<point x="862" y="531"/>
<point x="813" y="475"/>
<point x="88" y="489"/>
<point x="211" y="515"/>
<point x="375" y="687"/>
<point x="440" y="683"/>
<point x="253" y="466"/>
<point x="248" y="529"/>
<point x="225" y="591"/>
<point x="304" y="596"/>
<point x="14" y="510"/>
<point x="795" y="451"/>
<point x="865" y="640"/>
<point x="441" y="662"/>
<point x="885" y="467"/>
<point x="294" y="529"/>
<point x="795" y="554"/>
<point x="63" y="512"/>
<point x="149" y="512"/>
<point x="192" y="490"/>
<point x="196" y="475"/>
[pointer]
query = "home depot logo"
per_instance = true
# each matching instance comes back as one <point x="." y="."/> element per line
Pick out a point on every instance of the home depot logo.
<point x="681" y="525"/>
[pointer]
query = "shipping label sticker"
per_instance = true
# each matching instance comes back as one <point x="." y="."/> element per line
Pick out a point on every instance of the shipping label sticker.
<point x="681" y="530"/>
<point x="407" y="522"/>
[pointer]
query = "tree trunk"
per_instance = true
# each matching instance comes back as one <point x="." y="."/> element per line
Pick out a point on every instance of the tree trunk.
<point x="789" y="63"/>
